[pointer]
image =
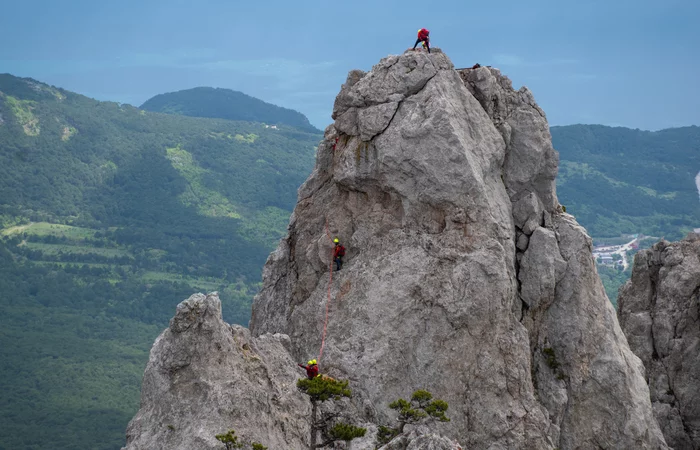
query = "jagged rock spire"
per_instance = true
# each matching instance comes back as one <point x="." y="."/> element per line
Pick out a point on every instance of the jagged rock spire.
<point x="462" y="276"/>
<point x="659" y="310"/>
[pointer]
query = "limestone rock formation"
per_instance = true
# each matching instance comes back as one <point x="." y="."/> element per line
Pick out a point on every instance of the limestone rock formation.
<point x="659" y="311"/>
<point x="462" y="275"/>
<point x="421" y="439"/>
<point x="205" y="377"/>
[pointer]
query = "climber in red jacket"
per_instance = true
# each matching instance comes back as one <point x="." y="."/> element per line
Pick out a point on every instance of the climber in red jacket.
<point x="311" y="369"/>
<point x="338" y="253"/>
<point x="424" y="37"/>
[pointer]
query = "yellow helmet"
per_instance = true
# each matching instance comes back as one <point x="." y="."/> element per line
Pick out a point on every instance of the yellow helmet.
<point x="336" y="240"/>
<point x="311" y="362"/>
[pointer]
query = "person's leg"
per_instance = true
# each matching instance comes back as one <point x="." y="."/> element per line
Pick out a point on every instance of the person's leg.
<point x="417" y="42"/>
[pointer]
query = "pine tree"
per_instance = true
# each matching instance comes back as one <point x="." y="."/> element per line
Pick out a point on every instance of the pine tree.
<point x="420" y="408"/>
<point x="321" y="389"/>
<point x="230" y="440"/>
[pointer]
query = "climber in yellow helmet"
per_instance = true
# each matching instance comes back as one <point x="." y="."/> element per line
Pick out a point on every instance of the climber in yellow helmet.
<point x="338" y="253"/>
<point x="311" y="369"/>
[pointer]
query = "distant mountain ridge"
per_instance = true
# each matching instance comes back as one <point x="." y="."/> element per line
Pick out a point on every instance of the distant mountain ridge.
<point x="227" y="104"/>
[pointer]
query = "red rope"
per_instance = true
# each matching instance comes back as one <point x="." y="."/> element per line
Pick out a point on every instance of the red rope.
<point x="328" y="301"/>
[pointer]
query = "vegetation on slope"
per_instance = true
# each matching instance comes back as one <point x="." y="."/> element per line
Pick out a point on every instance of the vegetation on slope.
<point x="109" y="217"/>
<point x="621" y="181"/>
<point x="618" y="180"/>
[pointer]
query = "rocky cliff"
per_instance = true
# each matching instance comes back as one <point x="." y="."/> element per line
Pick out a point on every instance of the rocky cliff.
<point x="659" y="312"/>
<point x="463" y="276"/>
<point x="205" y="377"/>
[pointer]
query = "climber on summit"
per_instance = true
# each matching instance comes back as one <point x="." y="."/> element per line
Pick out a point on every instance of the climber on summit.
<point x="311" y="369"/>
<point x="424" y="37"/>
<point x="338" y="253"/>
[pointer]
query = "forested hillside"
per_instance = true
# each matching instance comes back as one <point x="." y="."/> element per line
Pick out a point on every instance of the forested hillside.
<point x="110" y="216"/>
<point x="226" y="104"/>
<point x="618" y="180"/>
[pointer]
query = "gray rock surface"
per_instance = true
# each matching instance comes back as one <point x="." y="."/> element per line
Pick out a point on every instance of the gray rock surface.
<point x="421" y="439"/>
<point x="435" y="177"/>
<point x="205" y="377"/>
<point x="659" y="312"/>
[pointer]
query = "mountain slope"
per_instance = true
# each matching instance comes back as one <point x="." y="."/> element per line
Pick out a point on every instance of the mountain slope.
<point x="226" y="104"/>
<point x="109" y="216"/>
<point x="619" y="180"/>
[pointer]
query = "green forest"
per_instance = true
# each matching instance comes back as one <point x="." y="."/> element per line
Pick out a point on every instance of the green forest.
<point x="618" y="180"/>
<point x="109" y="217"/>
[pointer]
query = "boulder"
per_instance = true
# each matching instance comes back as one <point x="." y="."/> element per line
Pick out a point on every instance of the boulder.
<point x="205" y="377"/>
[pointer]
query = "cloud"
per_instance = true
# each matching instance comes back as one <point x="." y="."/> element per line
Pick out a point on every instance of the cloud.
<point x="582" y="77"/>
<point x="307" y="86"/>
<point x="507" y="60"/>
<point x="514" y="60"/>
<point x="288" y="74"/>
<point x="282" y="69"/>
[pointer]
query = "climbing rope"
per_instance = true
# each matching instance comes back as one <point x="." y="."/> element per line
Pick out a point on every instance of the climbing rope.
<point x="328" y="301"/>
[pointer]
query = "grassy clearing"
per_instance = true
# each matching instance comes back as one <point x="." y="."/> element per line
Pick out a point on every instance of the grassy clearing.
<point x="63" y="264"/>
<point x="50" y="229"/>
<point x="55" y="249"/>
<point x="568" y="169"/>
<point x="249" y="138"/>
<point x="209" y="202"/>
<point x="68" y="131"/>
<point x="22" y="109"/>
<point x="204" y="283"/>
<point x="221" y="135"/>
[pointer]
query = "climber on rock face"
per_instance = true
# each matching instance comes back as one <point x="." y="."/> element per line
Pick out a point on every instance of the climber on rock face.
<point x="335" y="143"/>
<point x="424" y="37"/>
<point x="338" y="253"/>
<point x="311" y="369"/>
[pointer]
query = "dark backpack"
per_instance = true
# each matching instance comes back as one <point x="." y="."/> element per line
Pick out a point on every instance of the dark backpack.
<point x="341" y="251"/>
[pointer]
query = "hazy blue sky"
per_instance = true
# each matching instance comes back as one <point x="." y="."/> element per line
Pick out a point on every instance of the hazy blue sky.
<point x="617" y="62"/>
